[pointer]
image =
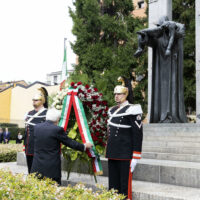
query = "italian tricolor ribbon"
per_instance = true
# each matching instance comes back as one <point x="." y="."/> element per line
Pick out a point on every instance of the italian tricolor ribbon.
<point x="72" y="99"/>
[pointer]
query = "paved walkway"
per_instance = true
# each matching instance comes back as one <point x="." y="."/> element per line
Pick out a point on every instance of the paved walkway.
<point x="142" y="190"/>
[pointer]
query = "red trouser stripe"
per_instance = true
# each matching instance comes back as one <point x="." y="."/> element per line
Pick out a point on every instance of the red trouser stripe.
<point x="130" y="184"/>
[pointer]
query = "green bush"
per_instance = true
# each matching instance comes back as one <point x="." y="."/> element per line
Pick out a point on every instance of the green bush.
<point x="8" y="152"/>
<point x="17" y="187"/>
<point x="8" y="125"/>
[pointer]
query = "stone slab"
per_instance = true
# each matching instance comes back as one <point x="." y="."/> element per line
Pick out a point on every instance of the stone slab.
<point x="185" y="129"/>
<point x="174" y="150"/>
<point x="171" y="156"/>
<point x="172" y="138"/>
<point x="177" y="144"/>
<point x="197" y="55"/>
<point x="21" y="159"/>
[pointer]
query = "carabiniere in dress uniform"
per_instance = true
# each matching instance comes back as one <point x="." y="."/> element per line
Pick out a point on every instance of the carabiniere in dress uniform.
<point x="124" y="144"/>
<point x="34" y="117"/>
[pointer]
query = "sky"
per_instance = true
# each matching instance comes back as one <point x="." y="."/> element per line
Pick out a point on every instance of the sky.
<point x="32" y="36"/>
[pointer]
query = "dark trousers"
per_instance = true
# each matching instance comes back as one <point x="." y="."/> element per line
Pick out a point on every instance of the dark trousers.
<point x="58" y="180"/>
<point x="29" y="160"/>
<point x="40" y="177"/>
<point x="118" y="173"/>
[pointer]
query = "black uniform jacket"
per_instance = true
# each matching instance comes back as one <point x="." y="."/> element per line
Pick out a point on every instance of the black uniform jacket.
<point x="47" y="158"/>
<point x="125" y="132"/>
<point x="32" y="118"/>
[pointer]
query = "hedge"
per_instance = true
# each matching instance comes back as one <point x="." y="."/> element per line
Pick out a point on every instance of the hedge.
<point x="8" y="152"/>
<point x="8" y="125"/>
<point x="20" y="187"/>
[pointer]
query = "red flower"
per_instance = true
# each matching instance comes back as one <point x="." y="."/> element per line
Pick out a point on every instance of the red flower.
<point x="72" y="84"/>
<point x="95" y="89"/>
<point x="104" y="144"/>
<point x="75" y="87"/>
<point x="104" y="103"/>
<point x="100" y="140"/>
<point x="100" y="94"/>
<point x="94" y="137"/>
<point x="97" y="133"/>
<point x="79" y="83"/>
<point x="87" y="86"/>
<point x="88" y="91"/>
<point x="80" y="91"/>
<point x="106" y="109"/>
<point x="104" y="115"/>
<point x="98" y="103"/>
<point x="95" y="97"/>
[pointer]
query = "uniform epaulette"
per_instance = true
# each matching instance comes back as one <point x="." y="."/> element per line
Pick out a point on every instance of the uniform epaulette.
<point x="134" y="109"/>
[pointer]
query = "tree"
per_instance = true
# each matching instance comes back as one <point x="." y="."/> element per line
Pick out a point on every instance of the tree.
<point x="106" y="41"/>
<point x="184" y="12"/>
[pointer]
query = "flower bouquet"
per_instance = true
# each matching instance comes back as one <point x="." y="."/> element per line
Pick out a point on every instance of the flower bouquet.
<point x="90" y="109"/>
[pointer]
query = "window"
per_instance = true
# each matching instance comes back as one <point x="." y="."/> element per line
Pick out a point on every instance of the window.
<point x="140" y="4"/>
<point x="55" y="79"/>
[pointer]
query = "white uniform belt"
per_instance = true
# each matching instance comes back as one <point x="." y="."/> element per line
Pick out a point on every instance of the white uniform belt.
<point x="30" y="123"/>
<point x="41" y="116"/>
<point x="118" y="125"/>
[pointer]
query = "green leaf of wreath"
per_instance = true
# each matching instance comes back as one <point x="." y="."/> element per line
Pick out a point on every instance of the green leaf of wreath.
<point x="72" y="133"/>
<point x="99" y="149"/>
<point x="74" y="155"/>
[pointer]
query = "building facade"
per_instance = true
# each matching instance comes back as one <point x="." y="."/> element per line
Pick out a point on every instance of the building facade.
<point x="139" y="8"/>
<point x="16" y="101"/>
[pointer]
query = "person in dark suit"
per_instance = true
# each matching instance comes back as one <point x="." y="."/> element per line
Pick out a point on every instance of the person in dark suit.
<point x="36" y="116"/>
<point x="47" y="139"/>
<point x="1" y="135"/>
<point x="124" y="143"/>
<point x="6" y="136"/>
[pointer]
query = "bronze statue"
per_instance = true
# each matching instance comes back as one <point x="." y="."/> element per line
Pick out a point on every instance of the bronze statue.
<point x="166" y="40"/>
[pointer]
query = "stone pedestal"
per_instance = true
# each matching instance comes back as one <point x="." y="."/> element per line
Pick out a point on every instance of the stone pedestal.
<point x="197" y="17"/>
<point x="157" y="8"/>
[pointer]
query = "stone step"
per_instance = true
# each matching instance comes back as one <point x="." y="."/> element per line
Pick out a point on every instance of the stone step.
<point x="158" y="171"/>
<point x="171" y="156"/>
<point x="175" y="150"/>
<point x="177" y="144"/>
<point x="141" y="190"/>
<point x="171" y="129"/>
<point x="165" y="171"/>
<point x="168" y="172"/>
<point x="172" y="138"/>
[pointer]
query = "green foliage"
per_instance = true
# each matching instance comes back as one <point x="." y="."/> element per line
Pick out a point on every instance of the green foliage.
<point x="106" y="41"/>
<point x="18" y="187"/>
<point x="184" y="12"/>
<point x="8" y="152"/>
<point x="75" y="160"/>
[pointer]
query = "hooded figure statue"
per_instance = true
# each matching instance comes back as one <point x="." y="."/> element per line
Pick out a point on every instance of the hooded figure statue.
<point x="166" y="40"/>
